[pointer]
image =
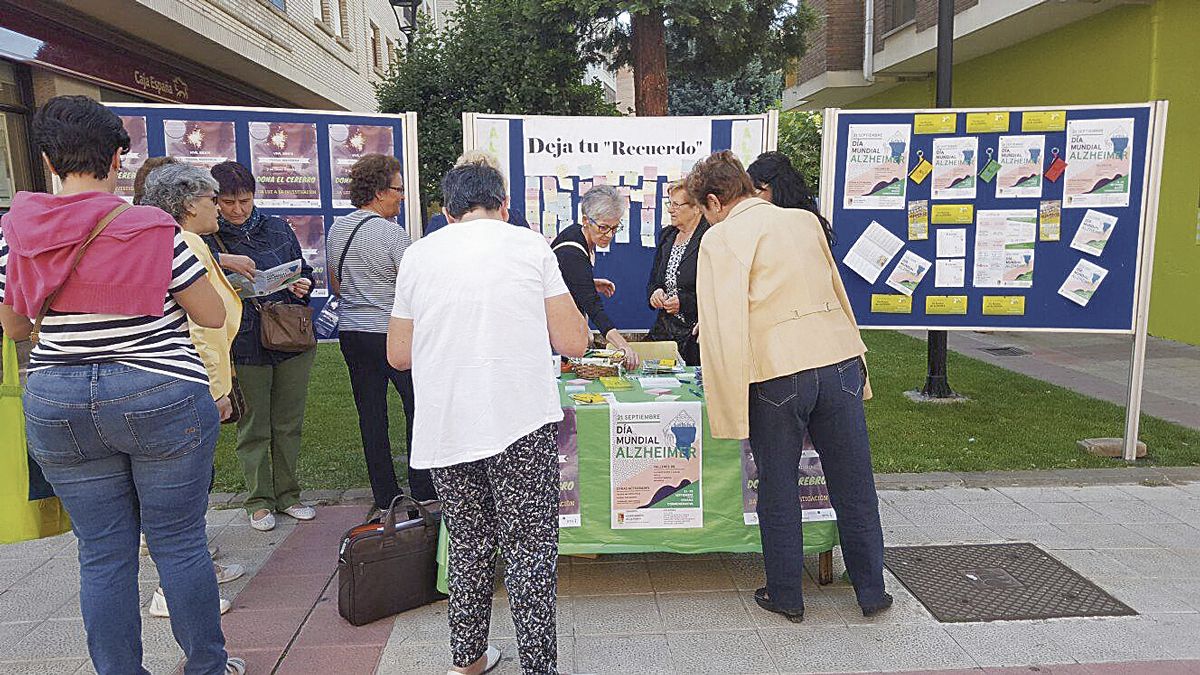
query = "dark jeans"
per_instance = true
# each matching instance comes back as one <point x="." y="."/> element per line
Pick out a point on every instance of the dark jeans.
<point x="366" y="358"/>
<point x="827" y="402"/>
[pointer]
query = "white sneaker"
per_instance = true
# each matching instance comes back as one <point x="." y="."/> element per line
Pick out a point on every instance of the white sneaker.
<point x="491" y="658"/>
<point x="227" y="573"/>
<point x="264" y="524"/>
<point x="301" y="512"/>
<point x="235" y="666"/>
<point x="158" y="605"/>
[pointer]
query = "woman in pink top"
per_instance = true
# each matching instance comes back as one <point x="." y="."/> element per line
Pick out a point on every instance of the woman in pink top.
<point x="117" y="407"/>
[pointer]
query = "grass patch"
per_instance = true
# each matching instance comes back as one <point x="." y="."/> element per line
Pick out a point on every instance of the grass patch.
<point x="1011" y="422"/>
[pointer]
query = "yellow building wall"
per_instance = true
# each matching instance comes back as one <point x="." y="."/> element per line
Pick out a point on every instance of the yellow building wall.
<point x="1125" y="55"/>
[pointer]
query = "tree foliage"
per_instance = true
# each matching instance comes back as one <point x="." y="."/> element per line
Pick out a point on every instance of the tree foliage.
<point x="708" y="39"/>
<point x="494" y="56"/>
<point x="800" y="140"/>
<point x="750" y="91"/>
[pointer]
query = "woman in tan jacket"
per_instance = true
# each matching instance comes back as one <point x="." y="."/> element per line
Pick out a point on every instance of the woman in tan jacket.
<point x="782" y="356"/>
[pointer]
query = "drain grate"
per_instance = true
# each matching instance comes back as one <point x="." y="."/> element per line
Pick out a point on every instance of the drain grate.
<point x="1004" y="351"/>
<point x="997" y="582"/>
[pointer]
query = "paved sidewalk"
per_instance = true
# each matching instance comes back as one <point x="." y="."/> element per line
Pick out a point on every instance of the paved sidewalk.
<point x="693" y="614"/>
<point x="1097" y="366"/>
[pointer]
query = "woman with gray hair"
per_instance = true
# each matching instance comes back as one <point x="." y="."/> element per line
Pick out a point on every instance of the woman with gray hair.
<point x="188" y="193"/>
<point x="575" y="247"/>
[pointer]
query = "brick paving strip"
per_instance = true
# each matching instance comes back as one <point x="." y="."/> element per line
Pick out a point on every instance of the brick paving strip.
<point x="286" y="619"/>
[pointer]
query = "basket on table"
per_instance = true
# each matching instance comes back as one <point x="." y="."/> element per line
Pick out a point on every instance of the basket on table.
<point x="597" y="365"/>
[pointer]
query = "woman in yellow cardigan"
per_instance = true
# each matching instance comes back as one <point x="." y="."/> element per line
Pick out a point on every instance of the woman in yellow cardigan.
<point x="188" y="193"/>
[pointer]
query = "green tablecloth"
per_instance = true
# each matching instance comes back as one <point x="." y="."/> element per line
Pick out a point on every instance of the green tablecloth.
<point x="724" y="526"/>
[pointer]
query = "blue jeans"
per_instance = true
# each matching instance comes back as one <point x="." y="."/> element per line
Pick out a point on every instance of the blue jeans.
<point x="127" y="451"/>
<point x="827" y="402"/>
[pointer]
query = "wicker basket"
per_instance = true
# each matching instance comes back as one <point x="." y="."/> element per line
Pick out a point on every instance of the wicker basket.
<point x="593" y="368"/>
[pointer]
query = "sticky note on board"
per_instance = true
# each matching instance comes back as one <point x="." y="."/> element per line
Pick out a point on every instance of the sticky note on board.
<point x="631" y="178"/>
<point x="549" y="184"/>
<point x="1004" y="305"/>
<point x="613" y="178"/>
<point x="635" y="195"/>
<point x="1044" y="120"/>
<point x="952" y="214"/>
<point x="562" y="171"/>
<point x="935" y="123"/>
<point x="585" y="170"/>
<point x="921" y="171"/>
<point x="945" y="304"/>
<point x="650" y="173"/>
<point x="599" y="180"/>
<point x="989" y="122"/>
<point x="887" y="303"/>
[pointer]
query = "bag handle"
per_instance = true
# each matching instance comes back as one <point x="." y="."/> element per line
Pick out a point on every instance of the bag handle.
<point x="108" y="218"/>
<point x="389" y="521"/>
<point x="342" y="259"/>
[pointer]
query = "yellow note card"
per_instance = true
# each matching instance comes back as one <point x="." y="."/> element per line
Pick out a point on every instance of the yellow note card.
<point x="920" y="171"/>
<point x="982" y="123"/>
<point x="952" y="214"/>
<point x="1004" y="305"/>
<point x="945" y="304"/>
<point x="891" y="303"/>
<point x="935" y="123"/>
<point x="1044" y="120"/>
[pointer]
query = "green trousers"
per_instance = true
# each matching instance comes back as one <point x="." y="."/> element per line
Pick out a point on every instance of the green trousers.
<point x="269" y="434"/>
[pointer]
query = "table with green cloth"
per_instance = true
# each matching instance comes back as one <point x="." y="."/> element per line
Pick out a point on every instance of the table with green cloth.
<point x="724" y="530"/>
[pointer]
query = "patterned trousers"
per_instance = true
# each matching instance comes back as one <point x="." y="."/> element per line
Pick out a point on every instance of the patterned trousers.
<point x="509" y="500"/>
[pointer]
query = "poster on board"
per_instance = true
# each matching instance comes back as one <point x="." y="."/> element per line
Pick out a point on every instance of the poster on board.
<point x="1099" y="162"/>
<point x="139" y="150"/>
<point x="347" y="144"/>
<point x="283" y="158"/>
<point x="310" y="232"/>
<point x="876" y="166"/>
<point x="814" y="494"/>
<point x="204" y="143"/>
<point x="655" y="464"/>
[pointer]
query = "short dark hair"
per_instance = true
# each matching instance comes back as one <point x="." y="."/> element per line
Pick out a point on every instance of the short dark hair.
<point x="471" y="186"/>
<point x="139" y="179"/>
<point x="719" y="174"/>
<point x="370" y="175"/>
<point x="233" y="179"/>
<point x="79" y="135"/>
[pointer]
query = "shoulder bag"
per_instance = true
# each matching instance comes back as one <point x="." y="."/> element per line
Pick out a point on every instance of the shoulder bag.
<point x="283" y="326"/>
<point x="327" y="319"/>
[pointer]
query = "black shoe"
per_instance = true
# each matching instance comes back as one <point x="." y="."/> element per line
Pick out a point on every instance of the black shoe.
<point x="760" y="596"/>
<point x="872" y="610"/>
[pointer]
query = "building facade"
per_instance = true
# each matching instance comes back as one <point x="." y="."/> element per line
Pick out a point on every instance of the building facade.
<point x="870" y="54"/>
<point x="316" y="54"/>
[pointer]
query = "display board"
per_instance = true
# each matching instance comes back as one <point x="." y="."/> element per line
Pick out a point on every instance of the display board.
<point x="551" y="161"/>
<point x="301" y="159"/>
<point x="997" y="219"/>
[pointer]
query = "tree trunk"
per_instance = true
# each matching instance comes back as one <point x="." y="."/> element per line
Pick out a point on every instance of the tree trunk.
<point x="649" y="51"/>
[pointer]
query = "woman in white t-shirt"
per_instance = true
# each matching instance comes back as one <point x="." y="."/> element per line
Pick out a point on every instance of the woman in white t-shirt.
<point x="478" y="305"/>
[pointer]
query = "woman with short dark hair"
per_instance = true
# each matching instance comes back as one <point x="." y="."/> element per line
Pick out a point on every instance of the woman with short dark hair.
<point x="778" y="182"/>
<point x="117" y="408"/>
<point x="274" y="383"/>
<point x="363" y="250"/>
<point x="783" y="357"/>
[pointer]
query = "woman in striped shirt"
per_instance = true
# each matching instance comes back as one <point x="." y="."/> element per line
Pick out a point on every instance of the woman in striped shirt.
<point x="117" y="409"/>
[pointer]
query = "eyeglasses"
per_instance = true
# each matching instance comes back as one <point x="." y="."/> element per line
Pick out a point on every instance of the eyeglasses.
<point x="399" y="189"/>
<point x="607" y="229"/>
<point x="212" y="197"/>
<point x="676" y="205"/>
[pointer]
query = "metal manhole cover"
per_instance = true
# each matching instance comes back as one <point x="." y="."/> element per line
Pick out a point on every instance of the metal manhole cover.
<point x="1005" y="351"/>
<point x="997" y="582"/>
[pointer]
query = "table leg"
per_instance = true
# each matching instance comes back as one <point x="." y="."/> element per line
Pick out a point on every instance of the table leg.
<point x="825" y="568"/>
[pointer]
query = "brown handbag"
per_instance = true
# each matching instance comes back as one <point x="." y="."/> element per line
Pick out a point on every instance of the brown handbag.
<point x="282" y="326"/>
<point x="237" y="402"/>
<point x="389" y="567"/>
